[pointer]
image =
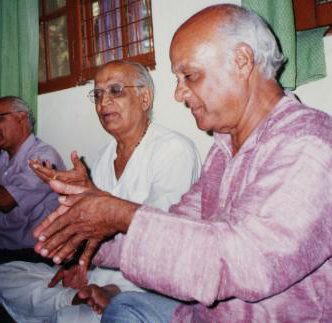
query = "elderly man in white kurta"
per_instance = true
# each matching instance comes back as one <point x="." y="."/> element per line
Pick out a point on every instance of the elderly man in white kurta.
<point x="162" y="167"/>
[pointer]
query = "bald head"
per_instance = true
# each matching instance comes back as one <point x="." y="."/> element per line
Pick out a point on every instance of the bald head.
<point x="234" y="25"/>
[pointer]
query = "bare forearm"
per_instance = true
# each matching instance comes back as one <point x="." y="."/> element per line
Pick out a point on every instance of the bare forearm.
<point x="7" y="202"/>
<point x="124" y="211"/>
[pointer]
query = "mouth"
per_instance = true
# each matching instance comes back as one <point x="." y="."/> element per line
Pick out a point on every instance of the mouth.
<point x="110" y="116"/>
<point x="194" y="108"/>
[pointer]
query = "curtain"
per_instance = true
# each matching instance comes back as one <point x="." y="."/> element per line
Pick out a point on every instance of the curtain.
<point x="304" y="51"/>
<point x="19" y="48"/>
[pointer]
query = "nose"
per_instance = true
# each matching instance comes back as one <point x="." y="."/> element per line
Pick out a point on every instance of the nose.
<point x="182" y="91"/>
<point x="105" y="99"/>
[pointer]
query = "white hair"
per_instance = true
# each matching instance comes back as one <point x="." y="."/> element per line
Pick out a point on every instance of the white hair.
<point x="19" y="105"/>
<point x="245" y="26"/>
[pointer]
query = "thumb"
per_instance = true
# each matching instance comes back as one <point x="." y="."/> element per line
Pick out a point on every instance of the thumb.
<point x="56" y="279"/>
<point x="89" y="251"/>
<point x="66" y="189"/>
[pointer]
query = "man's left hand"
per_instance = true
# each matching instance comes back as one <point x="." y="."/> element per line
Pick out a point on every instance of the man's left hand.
<point x="91" y="215"/>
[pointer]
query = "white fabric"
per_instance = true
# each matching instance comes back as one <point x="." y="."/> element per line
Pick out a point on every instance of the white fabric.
<point x="161" y="169"/>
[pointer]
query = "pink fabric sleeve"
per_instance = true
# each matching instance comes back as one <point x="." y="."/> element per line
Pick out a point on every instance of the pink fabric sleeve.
<point x="268" y="238"/>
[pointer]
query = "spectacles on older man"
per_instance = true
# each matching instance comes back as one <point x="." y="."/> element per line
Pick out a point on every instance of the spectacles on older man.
<point x="114" y="91"/>
<point x="9" y="112"/>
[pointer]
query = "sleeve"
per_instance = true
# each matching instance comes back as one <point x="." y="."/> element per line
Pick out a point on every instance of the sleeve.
<point x="26" y="187"/>
<point x="277" y="231"/>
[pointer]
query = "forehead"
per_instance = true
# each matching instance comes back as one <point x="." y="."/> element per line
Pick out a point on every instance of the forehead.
<point x="197" y="44"/>
<point x="5" y="106"/>
<point x="114" y="73"/>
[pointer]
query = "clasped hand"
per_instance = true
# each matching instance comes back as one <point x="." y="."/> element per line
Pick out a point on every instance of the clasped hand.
<point x="84" y="214"/>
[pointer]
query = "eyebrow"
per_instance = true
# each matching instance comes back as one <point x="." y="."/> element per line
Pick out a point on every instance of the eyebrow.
<point x="6" y="113"/>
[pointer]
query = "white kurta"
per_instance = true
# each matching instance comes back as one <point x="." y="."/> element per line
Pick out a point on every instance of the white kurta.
<point x="160" y="170"/>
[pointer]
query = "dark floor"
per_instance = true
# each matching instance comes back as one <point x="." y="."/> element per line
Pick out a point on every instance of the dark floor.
<point x="4" y="316"/>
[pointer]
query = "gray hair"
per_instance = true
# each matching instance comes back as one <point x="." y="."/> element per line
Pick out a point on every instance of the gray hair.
<point x="245" y="26"/>
<point x="240" y="25"/>
<point x="19" y="105"/>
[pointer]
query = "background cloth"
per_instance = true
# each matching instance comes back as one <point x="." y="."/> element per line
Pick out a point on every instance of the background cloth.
<point x="304" y="51"/>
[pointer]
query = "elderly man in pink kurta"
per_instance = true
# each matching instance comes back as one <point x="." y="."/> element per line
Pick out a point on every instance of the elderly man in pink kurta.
<point x="252" y="240"/>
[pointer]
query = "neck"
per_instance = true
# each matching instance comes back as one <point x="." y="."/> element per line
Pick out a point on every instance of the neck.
<point x="261" y="102"/>
<point x="130" y="142"/>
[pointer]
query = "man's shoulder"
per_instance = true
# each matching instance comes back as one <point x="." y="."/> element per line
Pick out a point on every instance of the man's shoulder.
<point x="298" y="119"/>
<point x="161" y="135"/>
<point x="39" y="149"/>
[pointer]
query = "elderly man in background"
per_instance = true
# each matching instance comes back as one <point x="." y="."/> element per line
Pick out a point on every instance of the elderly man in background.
<point x="24" y="198"/>
<point x="142" y="162"/>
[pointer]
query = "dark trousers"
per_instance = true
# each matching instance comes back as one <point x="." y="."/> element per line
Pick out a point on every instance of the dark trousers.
<point x="7" y="255"/>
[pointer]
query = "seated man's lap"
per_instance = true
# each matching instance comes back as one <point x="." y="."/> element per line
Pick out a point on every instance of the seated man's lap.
<point x="137" y="307"/>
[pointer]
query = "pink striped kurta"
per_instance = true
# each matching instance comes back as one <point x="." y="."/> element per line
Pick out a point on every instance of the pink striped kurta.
<point x="252" y="240"/>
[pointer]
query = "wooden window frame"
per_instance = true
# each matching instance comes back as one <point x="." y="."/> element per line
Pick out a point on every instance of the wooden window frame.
<point x="309" y="14"/>
<point x="79" y="74"/>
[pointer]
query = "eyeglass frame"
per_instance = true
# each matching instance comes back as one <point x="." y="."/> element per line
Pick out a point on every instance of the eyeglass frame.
<point x="9" y="112"/>
<point x="91" y="94"/>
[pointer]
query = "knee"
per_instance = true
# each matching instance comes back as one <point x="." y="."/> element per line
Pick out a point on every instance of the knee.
<point x="123" y="308"/>
<point x="138" y="307"/>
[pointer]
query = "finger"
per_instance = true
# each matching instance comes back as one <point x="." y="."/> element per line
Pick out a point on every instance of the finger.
<point x="56" y="278"/>
<point x="72" y="242"/>
<point x="97" y="308"/>
<point x="85" y="292"/>
<point x="46" y="222"/>
<point x="49" y="164"/>
<point x="68" y="201"/>
<point x="66" y="189"/>
<point x="88" y="252"/>
<point x="75" y="159"/>
<point x="54" y="252"/>
<point x="53" y="235"/>
<point x="42" y="172"/>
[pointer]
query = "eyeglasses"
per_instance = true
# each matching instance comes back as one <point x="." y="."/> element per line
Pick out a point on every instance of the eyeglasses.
<point x="9" y="112"/>
<point x="113" y="91"/>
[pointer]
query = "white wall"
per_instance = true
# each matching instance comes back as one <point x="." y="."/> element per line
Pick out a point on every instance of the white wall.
<point x="67" y="120"/>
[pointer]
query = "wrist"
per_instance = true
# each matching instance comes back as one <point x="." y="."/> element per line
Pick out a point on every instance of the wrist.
<point x="124" y="212"/>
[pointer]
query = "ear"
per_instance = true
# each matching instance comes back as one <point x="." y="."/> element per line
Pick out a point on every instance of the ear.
<point x="146" y="97"/>
<point x="22" y="116"/>
<point x="244" y="60"/>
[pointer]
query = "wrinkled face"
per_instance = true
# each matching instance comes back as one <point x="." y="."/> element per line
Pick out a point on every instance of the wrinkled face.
<point x="121" y="113"/>
<point x="11" y="132"/>
<point x="207" y="78"/>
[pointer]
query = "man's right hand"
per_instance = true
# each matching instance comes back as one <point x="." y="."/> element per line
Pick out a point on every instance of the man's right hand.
<point x="74" y="277"/>
<point x="78" y="175"/>
<point x="91" y="215"/>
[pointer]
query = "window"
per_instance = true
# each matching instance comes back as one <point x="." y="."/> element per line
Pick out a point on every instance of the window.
<point x="77" y="36"/>
<point x="312" y="13"/>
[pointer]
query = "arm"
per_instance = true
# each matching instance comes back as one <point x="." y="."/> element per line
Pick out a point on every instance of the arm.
<point x="273" y="234"/>
<point x="7" y="202"/>
<point x="26" y="188"/>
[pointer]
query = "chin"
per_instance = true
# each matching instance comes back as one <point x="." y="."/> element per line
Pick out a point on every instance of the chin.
<point x="203" y="126"/>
